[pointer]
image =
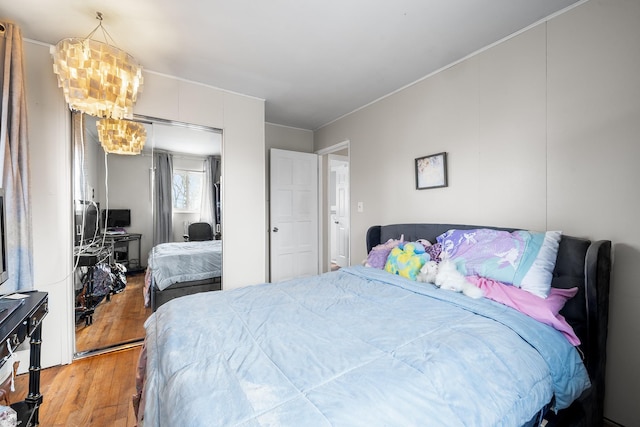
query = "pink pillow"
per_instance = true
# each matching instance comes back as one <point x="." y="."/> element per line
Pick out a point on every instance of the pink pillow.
<point x="545" y="310"/>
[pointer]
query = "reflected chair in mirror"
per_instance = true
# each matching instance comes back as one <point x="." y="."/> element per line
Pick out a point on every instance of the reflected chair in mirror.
<point x="199" y="231"/>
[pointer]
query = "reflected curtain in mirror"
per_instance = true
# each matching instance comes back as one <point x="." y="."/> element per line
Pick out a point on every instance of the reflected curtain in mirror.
<point x="163" y="202"/>
<point x="14" y="160"/>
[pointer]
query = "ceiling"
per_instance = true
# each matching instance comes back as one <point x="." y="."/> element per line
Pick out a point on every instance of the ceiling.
<point x="312" y="61"/>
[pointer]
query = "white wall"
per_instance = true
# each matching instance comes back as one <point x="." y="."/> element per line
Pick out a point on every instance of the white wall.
<point x="542" y="133"/>
<point x="50" y="172"/>
<point x="288" y="138"/>
<point x="593" y="151"/>
<point x="129" y="187"/>
<point x="243" y="169"/>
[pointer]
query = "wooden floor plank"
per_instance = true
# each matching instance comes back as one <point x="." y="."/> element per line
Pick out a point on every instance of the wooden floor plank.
<point x="97" y="390"/>
<point x="91" y="392"/>
<point x="74" y="381"/>
<point x="116" y="321"/>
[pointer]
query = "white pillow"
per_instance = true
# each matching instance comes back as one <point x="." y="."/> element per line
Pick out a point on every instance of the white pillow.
<point x="538" y="278"/>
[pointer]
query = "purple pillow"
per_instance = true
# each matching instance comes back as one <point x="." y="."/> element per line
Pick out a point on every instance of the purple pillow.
<point x="545" y="310"/>
<point x="522" y="258"/>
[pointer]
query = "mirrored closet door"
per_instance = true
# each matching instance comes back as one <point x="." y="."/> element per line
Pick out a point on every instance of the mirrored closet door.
<point x="116" y="222"/>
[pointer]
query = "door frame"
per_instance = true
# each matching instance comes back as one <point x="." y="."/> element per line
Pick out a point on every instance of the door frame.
<point x="323" y="202"/>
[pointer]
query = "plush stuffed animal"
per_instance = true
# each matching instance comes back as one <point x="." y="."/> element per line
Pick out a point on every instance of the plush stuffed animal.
<point x="445" y="275"/>
<point x="428" y="272"/>
<point x="424" y="242"/>
<point x="450" y="278"/>
<point x="406" y="260"/>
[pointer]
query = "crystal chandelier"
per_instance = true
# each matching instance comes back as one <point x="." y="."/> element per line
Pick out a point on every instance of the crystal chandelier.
<point x="97" y="78"/>
<point x="121" y="136"/>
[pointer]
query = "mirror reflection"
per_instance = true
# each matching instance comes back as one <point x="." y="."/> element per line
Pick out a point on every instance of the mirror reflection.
<point x="124" y="206"/>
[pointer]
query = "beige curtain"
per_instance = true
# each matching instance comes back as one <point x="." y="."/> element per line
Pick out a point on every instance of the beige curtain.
<point x="14" y="159"/>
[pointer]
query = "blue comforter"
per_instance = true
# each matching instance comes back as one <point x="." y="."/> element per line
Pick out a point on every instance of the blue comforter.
<point x="356" y="347"/>
<point x="185" y="261"/>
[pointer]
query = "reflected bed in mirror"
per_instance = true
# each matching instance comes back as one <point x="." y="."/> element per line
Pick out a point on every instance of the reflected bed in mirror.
<point x="113" y="316"/>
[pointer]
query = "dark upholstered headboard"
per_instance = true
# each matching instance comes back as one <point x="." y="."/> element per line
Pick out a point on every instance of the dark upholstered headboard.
<point x="580" y="263"/>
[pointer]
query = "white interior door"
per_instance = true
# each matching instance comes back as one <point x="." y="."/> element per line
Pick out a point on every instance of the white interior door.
<point x="293" y="214"/>
<point x="341" y="168"/>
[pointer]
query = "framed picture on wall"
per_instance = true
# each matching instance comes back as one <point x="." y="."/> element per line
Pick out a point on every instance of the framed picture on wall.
<point x="431" y="171"/>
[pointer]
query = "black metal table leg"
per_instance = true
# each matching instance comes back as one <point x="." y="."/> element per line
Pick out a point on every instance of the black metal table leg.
<point x="34" y="398"/>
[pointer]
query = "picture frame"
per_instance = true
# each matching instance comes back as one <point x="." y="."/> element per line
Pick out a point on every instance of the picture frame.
<point x="431" y="171"/>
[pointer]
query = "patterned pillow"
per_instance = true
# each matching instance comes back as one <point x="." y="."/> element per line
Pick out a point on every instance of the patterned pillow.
<point x="521" y="258"/>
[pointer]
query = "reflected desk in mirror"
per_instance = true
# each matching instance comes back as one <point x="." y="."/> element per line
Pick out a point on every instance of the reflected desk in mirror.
<point x="121" y="249"/>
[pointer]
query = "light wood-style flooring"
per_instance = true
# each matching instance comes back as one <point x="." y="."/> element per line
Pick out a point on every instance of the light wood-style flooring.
<point x="92" y="392"/>
<point x="96" y="391"/>
<point x="120" y="320"/>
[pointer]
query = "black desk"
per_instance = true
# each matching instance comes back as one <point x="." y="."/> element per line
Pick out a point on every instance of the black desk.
<point x="121" y="251"/>
<point x="25" y="322"/>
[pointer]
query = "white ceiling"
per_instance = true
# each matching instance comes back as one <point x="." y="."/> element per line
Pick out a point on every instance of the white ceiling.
<point x="313" y="61"/>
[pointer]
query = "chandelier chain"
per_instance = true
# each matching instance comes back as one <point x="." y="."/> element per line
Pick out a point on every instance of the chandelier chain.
<point x="105" y="33"/>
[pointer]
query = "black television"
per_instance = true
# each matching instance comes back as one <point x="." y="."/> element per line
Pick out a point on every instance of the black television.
<point x="85" y="229"/>
<point x="4" y="268"/>
<point x="116" y="218"/>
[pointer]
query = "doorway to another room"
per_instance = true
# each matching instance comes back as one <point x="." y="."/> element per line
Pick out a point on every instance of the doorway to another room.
<point x="309" y="212"/>
<point x="339" y="210"/>
<point x="335" y="213"/>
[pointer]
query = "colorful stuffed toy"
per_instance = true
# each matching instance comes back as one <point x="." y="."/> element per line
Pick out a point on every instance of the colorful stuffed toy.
<point x="406" y="260"/>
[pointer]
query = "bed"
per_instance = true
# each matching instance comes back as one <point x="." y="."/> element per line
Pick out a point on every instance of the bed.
<point x="360" y="346"/>
<point x="182" y="268"/>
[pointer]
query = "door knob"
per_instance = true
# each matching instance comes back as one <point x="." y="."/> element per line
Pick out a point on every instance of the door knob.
<point x="275" y="229"/>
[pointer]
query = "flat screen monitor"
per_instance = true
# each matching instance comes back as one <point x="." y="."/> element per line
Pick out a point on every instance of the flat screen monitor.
<point x="116" y="218"/>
